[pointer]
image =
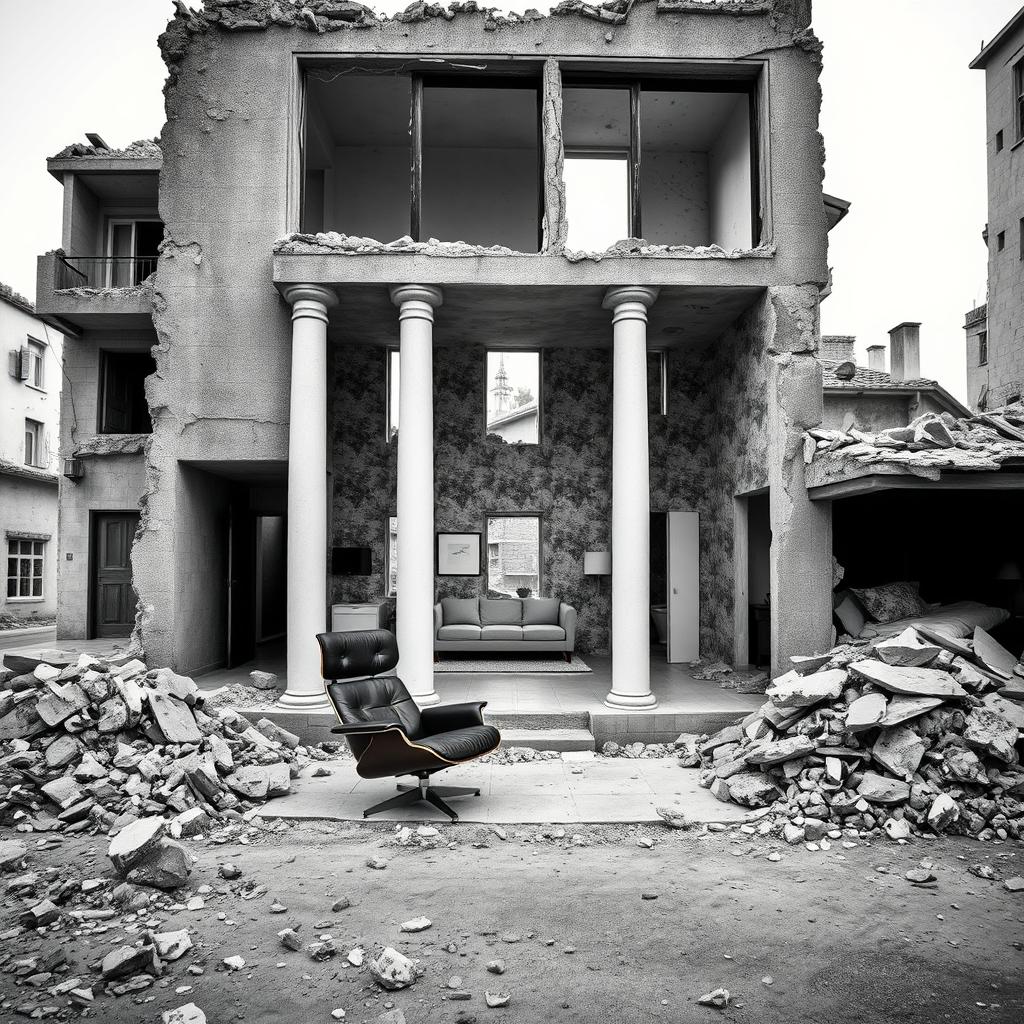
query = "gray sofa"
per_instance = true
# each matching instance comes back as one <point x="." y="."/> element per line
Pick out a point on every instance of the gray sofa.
<point x="482" y="624"/>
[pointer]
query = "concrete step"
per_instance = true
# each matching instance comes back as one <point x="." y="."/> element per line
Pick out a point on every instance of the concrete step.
<point x="548" y="739"/>
<point x="538" y="719"/>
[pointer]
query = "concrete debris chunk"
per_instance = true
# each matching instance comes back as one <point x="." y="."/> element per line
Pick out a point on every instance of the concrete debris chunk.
<point x="674" y="817"/>
<point x="166" y="866"/>
<point x="898" y="750"/>
<point x="263" y="680"/>
<point x="989" y="732"/>
<point x="718" y="998"/>
<point x="393" y="970"/>
<point x="416" y="924"/>
<point x="172" y="945"/>
<point x="906" y="650"/>
<point x="187" y="1014"/>
<point x="794" y="690"/>
<point x="866" y="712"/>
<point x="914" y="682"/>
<point x="134" y="841"/>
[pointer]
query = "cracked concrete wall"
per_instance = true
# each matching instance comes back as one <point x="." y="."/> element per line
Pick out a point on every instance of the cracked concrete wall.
<point x="801" y="551"/>
<point x="115" y="475"/>
<point x="556" y="226"/>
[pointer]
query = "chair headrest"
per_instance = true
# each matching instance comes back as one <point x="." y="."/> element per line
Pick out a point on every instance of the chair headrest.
<point x="360" y="652"/>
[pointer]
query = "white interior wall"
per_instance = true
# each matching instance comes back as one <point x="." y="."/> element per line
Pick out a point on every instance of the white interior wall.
<point x="674" y="197"/>
<point x="366" y="192"/>
<point x="730" y="183"/>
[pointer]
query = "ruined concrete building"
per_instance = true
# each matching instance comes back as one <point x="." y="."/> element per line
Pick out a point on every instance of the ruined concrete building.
<point x="995" y="331"/>
<point x="631" y="192"/>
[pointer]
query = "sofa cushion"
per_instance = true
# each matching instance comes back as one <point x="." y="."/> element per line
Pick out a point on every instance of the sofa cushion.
<point x="540" y="611"/>
<point x="456" y="611"/>
<point x="543" y="632"/>
<point x="497" y="612"/>
<point x="459" y="631"/>
<point x="501" y="633"/>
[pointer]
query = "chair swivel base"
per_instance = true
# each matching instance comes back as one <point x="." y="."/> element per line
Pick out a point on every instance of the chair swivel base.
<point x="423" y="793"/>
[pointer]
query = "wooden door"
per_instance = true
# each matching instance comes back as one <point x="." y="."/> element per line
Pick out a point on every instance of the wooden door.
<point x="113" y="596"/>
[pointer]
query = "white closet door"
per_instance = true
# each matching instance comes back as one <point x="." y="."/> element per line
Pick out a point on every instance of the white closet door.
<point x="683" y="586"/>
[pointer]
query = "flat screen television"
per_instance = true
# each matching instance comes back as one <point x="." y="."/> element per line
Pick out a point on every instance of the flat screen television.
<point x="351" y="562"/>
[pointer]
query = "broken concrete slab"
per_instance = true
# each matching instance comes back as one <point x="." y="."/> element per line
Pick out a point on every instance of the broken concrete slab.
<point x="866" y="712"/>
<point x="393" y="970"/>
<point x="899" y="750"/>
<point x="794" y="690"/>
<point x="753" y="789"/>
<point x="786" y="749"/>
<point x="905" y="709"/>
<point x="988" y="731"/>
<point x="21" y="722"/>
<point x="175" y="719"/>
<point x="1010" y="710"/>
<point x="906" y="650"/>
<point x="165" y="866"/>
<point x="914" y="682"/>
<point x="992" y="654"/>
<point x="134" y="841"/>
<point x="878" y="789"/>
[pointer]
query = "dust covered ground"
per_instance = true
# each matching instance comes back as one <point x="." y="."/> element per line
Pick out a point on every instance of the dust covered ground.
<point x="590" y="925"/>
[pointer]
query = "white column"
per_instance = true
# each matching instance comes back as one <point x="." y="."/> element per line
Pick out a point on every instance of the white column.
<point x="414" y="613"/>
<point x="631" y="501"/>
<point x="307" y="495"/>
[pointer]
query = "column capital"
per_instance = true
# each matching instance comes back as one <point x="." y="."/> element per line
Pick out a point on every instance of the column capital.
<point x="310" y="300"/>
<point x="416" y="301"/>
<point x="630" y="302"/>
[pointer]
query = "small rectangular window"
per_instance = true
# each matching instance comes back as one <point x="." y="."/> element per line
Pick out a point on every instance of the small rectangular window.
<point x="999" y="141"/>
<point x="1001" y="241"/>
<point x="393" y="369"/>
<point x="1020" y="236"/>
<point x="391" y="561"/>
<point x="982" y="348"/>
<point x="25" y="568"/>
<point x="513" y="556"/>
<point x="1018" y="97"/>
<point x="513" y="396"/>
<point x="123" y="408"/>
<point x="657" y="383"/>
<point x="37" y="364"/>
<point x="34" y="454"/>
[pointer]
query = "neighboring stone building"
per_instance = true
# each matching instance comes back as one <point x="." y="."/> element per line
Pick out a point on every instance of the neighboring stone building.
<point x="334" y="184"/>
<point x="995" y="331"/>
<point x="29" y="424"/>
<point x="872" y="398"/>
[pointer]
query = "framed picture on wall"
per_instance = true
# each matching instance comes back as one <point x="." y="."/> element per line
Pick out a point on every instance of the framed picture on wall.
<point x="458" y="554"/>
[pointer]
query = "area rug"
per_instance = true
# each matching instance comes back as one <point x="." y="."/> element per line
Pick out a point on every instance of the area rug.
<point x="512" y="666"/>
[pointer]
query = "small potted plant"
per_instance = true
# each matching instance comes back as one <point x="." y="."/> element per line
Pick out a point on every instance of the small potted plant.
<point x="524" y="592"/>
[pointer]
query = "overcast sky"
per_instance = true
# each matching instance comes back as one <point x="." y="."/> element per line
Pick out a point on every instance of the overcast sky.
<point x="903" y="120"/>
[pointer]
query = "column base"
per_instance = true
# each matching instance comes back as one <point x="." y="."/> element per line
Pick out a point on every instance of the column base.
<point x="630" y="701"/>
<point x="303" y="702"/>
<point x="425" y="700"/>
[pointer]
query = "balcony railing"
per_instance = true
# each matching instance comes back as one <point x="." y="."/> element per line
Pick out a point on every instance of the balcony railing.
<point x="102" y="271"/>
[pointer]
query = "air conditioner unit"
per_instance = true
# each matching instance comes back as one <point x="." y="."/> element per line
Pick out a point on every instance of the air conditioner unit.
<point x="74" y="469"/>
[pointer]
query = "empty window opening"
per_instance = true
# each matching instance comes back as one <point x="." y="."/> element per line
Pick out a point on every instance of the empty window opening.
<point x="982" y="348"/>
<point x="36" y="364"/>
<point x="123" y="408"/>
<point x="1018" y="98"/>
<point x="683" y="164"/>
<point x="34" y="453"/>
<point x="393" y="154"/>
<point x="513" y="556"/>
<point x="513" y="396"/>
<point x="999" y="141"/>
<point x="657" y="383"/>
<point x="132" y="251"/>
<point x="25" y="558"/>
<point x="1020" y="236"/>
<point x="1001" y="241"/>
<point x="391" y="560"/>
<point x="394" y="369"/>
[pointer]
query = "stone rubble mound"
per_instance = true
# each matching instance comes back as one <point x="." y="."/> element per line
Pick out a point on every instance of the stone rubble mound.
<point x="915" y="733"/>
<point x="984" y="441"/>
<point x="108" y="746"/>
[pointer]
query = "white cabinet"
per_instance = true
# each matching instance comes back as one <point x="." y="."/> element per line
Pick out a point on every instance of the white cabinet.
<point x="347" y="617"/>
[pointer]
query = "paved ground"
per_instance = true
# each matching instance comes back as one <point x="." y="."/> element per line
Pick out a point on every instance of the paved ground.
<point x="567" y="791"/>
<point x="842" y="935"/>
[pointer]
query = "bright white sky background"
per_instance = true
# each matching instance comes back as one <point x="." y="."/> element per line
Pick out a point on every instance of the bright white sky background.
<point x="903" y="120"/>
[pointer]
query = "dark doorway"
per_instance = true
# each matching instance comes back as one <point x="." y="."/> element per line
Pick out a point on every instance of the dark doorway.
<point x="241" y="578"/>
<point x="112" y="594"/>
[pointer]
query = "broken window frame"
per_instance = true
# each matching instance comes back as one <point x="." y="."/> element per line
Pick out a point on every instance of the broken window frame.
<point x="653" y="83"/>
<point x="420" y="80"/>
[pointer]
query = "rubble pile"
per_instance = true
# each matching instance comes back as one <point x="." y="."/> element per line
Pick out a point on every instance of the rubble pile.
<point x="918" y="732"/>
<point x="932" y="442"/>
<point x="99" y="745"/>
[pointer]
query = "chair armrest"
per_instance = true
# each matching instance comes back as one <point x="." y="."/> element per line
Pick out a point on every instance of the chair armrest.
<point x="567" y="620"/>
<point x="437" y="618"/>
<point x="367" y="728"/>
<point x="446" y="717"/>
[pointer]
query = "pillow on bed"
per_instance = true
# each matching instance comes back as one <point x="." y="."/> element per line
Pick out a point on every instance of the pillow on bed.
<point x="849" y="614"/>
<point x="891" y="601"/>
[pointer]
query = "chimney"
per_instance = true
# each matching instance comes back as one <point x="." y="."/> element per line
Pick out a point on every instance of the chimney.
<point x="876" y="357"/>
<point x="905" y="352"/>
<point x="837" y="347"/>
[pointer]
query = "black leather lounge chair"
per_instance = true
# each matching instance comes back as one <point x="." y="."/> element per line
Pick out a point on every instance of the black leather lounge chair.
<point x="388" y="733"/>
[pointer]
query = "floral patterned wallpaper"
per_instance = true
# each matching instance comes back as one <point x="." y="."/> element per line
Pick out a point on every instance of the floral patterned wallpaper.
<point x="707" y="445"/>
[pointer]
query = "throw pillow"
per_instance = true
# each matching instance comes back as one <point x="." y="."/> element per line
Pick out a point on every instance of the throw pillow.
<point x="540" y="611"/>
<point x="501" y="613"/>
<point x="891" y="601"/>
<point x="460" y="611"/>
<point x="848" y="612"/>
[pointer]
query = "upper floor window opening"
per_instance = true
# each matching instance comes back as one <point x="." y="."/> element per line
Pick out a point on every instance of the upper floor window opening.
<point x="35" y="454"/>
<point x="1018" y="98"/>
<point x="682" y="163"/>
<point x="457" y="158"/>
<point x="982" y="348"/>
<point x="132" y="250"/>
<point x="36" y="364"/>
<point x="122" y="404"/>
